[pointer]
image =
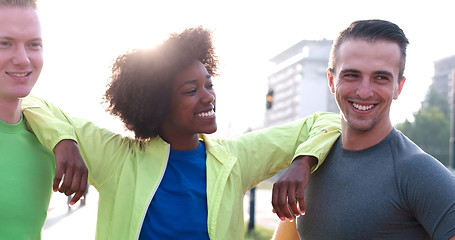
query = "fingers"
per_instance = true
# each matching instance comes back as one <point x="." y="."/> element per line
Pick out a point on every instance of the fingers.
<point x="300" y="197"/>
<point x="283" y="198"/>
<point x="71" y="174"/>
<point x="58" y="177"/>
<point x="71" y="180"/>
<point x="81" y="187"/>
<point x="275" y="201"/>
<point x="74" y="182"/>
<point x="65" y="187"/>
<point x="289" y="190"/>
<point x="292" y="201"/>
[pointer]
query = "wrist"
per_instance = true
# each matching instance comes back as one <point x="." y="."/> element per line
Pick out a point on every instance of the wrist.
<point x="309" y="161"/>
<point x="65" y="144"/>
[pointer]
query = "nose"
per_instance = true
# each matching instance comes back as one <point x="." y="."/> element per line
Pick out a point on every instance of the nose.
<point x="209" y="96"/>
<point x="21" y="56"/>
<point x="364" y="90"/>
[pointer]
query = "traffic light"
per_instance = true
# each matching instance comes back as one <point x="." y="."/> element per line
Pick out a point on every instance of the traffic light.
<point x="269" y="99"/>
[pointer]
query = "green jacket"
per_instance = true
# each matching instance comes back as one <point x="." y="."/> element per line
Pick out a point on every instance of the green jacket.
<point x="127" y="172"/>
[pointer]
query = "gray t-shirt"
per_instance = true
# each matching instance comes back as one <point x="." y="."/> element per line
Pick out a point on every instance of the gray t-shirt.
<point x="392" y="190"/>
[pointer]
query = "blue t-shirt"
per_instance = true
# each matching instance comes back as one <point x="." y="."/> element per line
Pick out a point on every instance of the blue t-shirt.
<point x="179" y="208"/>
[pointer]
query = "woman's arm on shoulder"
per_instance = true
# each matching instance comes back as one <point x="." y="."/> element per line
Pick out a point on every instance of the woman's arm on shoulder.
<point x="101" y="149"/>
<point x="289" y="189"/>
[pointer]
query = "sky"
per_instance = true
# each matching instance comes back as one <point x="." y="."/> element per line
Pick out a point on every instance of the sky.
<point x="82" y="38"/>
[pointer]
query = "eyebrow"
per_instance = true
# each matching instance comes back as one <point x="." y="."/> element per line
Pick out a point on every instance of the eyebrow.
<point x="383" y="73"/>
<point x="376" y="72"/>
<point x="188" y="82"/>
<point x="193" y="81"/>
<point x="13" y="39"/>
<point x="349" y="71"/>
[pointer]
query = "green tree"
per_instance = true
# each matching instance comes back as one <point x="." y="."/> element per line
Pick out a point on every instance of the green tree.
<point x="434" y="99"/>
<point x="430" y="128"/>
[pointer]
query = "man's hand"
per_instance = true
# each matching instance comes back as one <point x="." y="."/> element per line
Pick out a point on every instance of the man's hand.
<point x="70" y="167"/>
<point x="291" y="187"/>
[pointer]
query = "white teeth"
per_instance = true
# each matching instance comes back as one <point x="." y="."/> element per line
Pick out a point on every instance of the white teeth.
<point x="206" y="114"/>
<point x="18" y="74"/>
<point x="362" y="107"/>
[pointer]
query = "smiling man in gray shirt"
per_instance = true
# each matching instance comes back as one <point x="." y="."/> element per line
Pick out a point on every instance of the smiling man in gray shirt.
<point x="375" y="182"/>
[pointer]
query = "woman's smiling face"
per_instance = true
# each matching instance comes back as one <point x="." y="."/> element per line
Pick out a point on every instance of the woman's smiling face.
<point x="192" y="103"/>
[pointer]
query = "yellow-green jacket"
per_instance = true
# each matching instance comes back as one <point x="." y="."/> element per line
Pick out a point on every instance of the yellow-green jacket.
<point x="127" y="172"/>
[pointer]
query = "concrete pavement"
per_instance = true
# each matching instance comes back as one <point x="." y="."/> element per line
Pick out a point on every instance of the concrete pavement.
<point x="78" y="222"/>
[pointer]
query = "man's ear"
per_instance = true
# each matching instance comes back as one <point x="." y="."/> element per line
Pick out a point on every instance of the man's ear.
<point x="400" y="87"/>
<point x="330" y="78"/>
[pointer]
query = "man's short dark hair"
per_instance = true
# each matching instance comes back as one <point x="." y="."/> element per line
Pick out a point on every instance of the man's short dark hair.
<point x="371" y="31"/>
<point x="18" y="3"/>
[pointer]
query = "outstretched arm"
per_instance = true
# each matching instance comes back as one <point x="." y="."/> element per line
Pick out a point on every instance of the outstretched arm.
<point x="102" y="150"/>
<point x="71" y="173"/>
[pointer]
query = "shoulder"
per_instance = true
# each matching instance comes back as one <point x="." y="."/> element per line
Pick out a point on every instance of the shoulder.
<point x="404" y="149"/>
<point x="411" y="161"/>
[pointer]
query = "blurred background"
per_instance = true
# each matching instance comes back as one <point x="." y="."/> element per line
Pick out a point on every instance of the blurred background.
<point x="268" y="50"/>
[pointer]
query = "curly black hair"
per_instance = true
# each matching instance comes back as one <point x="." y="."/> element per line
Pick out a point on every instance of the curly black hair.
<point x="141" y="80"/>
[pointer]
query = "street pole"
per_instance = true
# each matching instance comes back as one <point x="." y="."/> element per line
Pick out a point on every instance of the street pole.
<point x="252" y="200"/>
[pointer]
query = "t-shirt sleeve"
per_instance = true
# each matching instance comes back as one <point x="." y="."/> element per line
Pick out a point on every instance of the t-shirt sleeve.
<point x="429" y="189"/>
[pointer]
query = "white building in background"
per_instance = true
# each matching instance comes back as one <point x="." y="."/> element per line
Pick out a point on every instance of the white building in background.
<point x="442" y="80"/>
<point x="299" y="82"/>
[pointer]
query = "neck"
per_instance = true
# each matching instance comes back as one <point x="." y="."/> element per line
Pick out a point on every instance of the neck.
<point x="10" y="110"/>
<point x="182" y="142"/>
<point x="352" y="139"/>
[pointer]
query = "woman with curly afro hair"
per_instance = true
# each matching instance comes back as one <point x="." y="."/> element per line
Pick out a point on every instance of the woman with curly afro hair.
<point x="141" y="81"/>
<point x="173" y="181"/>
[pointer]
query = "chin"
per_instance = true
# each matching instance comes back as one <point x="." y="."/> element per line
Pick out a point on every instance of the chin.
<point x="362" y="126"/>
<point x="210" y="130"/>
<point x="23" y="92"/>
